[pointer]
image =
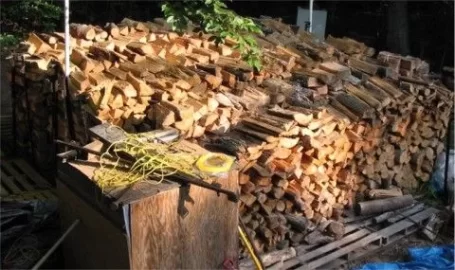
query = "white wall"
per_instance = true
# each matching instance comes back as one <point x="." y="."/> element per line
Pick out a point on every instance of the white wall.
<point x="319" y="20"/>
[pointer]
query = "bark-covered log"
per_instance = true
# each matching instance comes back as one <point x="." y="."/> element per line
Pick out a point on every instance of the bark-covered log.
<point x="383" y="205"/>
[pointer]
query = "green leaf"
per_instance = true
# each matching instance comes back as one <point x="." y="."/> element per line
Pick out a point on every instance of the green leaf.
<point x="250" y="40"/>
<point x="213" y="17"/>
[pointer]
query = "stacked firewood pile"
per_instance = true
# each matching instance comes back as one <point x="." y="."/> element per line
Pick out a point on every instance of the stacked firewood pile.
<point x="319" y="127"/>
<point x="33" y="105"/>
<point x="392" y="128"/>
<point x="38" y="97"/>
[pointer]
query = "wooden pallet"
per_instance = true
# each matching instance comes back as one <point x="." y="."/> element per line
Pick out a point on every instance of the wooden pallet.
<point x="6" y="133"/>
<point x="19" y="181"/>
<point x="362" y="238"/>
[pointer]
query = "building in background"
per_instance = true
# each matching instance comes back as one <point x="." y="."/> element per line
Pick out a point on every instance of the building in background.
<point x="319" y="20"/>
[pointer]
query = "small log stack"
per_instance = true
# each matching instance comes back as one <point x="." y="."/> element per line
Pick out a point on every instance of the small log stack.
<point x="319" y="127"/>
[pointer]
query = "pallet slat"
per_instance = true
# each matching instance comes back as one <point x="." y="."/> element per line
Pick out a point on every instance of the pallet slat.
<point x="3" y="191"/>
<point x="48" y="194"/>
<point x="18" y="176"/>
<point x="41" y="195"/>
<point x="21" y="182"/>
<point x="324" y="249"/>
<point x="31" y="173"/>
<point x="379" y="235"/>
<point x="334" y="245"/>
<point x="406" y="213"/>
<point x="7" y="180"/>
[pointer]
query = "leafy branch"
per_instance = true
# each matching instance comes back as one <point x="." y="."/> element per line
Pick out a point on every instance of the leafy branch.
<point x="213" y="17"/>
<point x="18" y="18"/>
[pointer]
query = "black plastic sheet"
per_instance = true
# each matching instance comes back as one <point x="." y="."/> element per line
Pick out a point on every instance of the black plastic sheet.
<point x="28" y="229"/>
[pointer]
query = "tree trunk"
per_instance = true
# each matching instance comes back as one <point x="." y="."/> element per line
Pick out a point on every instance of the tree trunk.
<point x="397" y="25"/>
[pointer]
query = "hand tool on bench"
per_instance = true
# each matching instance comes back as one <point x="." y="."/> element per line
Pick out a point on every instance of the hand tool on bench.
<point x="110" y="134"/>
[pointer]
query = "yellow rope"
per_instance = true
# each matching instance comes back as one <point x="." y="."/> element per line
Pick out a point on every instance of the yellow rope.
<point x="249" y="247"/>
<point x="152" y="160"/>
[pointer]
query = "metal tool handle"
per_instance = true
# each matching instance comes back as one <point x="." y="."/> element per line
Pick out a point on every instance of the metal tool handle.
<point x="232" y="196"/>
<point x="55" y="246"/>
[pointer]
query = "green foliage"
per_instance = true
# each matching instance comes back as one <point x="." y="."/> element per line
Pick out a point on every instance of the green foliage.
<point x="21" y="17"/>
<point x="429" y="195"/>
<point x="8" y="41"/>
<point x="213" y="17"/>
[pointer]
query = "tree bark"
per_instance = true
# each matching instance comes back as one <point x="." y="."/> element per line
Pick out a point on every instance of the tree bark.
<point x="397" y="27"/>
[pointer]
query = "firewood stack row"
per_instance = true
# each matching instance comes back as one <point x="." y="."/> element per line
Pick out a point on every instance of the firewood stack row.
<point x="385" y="116"/>
<point x="39" y="94"/>
<point x="415" y="129"/>
<point x="125" y="71"/>
<point x="34" y="101"/>
<point x="300" y="171"/>
<point x="322" y="124"/>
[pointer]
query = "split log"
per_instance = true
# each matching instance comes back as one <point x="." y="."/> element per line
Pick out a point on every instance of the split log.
<point x="385" y="193"/>
<point x="82" y="31"/>
<point x="383" y="205"/>
<point x="269" y="259"/>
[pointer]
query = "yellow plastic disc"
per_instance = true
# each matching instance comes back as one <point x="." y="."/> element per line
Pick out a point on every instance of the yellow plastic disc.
<point x="214" y="163"/>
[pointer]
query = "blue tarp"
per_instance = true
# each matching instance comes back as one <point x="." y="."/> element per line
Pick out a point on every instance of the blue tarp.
<point x="440" y="257"/>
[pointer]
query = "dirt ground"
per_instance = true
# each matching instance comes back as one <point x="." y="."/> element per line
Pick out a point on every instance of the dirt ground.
<point x="398" y="251"/>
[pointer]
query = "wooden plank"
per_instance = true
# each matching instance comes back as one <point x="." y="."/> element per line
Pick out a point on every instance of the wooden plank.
<point x="3" y="190"/>
<point x="354" y="226"/>
<point x="23" y="197"/>
<point x="399" y="213"/>
<point x="156" y="214"/>
<point x="8" y="181"/>
<point x="193" y="242"/>
<point x="101" y="231"/>
<point x="44" y="193"/>
<point x="49" y="194"/>
<point x="222" y="240"/>
<point x="20" y="178"/>
<point x="353" y="218"/>
<point x="386" y="232"/>
<point x="31" y="173"/>
<point x="334" y="245"/>
<point x="38" y="195"/>
<point x="306" y="248"/>
<point x="400" y="216"/>
<point x="367" y="250"/>
<point x="349" y="228"/>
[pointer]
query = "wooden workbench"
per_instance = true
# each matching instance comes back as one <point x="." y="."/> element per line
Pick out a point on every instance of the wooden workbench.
<point x="145" y="227"/>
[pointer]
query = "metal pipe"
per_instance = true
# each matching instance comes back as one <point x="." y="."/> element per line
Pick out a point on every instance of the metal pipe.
<point x="14" y="104"/>
<point x="80" y="148"/>
<point x="67" y="38"/>
<point x="55" y="246"/>
<point x="446" y="163"/>
<point x="94" y="152"/>
<point x="186" y="179"/>
<point x="55" y="120"/>
<point x="69" y="110"/>
<point x="311" y="16"/>
<point x="248" y="244"/>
